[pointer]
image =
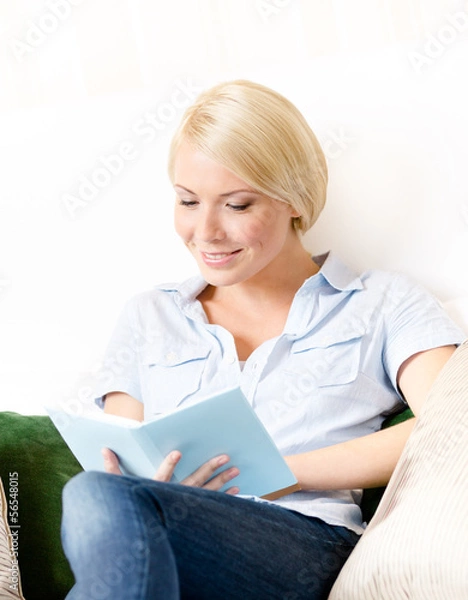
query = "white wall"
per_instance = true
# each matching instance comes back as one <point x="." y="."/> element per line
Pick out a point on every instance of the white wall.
<point x="382" y="82"/>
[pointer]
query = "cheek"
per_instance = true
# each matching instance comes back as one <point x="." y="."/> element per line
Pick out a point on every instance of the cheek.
<point x="251" y="232"/>
<point x="262" y="229"/>
<point x="181" y="225"/>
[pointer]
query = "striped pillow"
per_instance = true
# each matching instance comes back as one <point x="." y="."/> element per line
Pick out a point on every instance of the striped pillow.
<point x="10" y="585"/>
<point x="416" y="546"/>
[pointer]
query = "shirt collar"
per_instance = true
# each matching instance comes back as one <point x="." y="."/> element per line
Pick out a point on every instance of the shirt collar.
<point x="332" y="269"/>
<point x="336" y="273"/>
<point x="185" y="296"/>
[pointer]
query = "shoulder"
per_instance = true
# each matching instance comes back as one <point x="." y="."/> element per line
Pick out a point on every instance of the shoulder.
<point x="405" y="304"/>
<point x="400" y="293"/>
<point x="385" y="290"/>
<point x="395" y="289"/>
<point x="147" y="303"/>
<point x="166" y="296"/>
<point x="345" y="278"/>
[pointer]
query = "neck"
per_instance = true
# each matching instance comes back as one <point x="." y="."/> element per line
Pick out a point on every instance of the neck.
<point x="277" y="284"/>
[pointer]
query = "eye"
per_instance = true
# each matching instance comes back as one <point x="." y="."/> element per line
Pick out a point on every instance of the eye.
<point x="188" y="203"/>
<point x="238" y="207"/>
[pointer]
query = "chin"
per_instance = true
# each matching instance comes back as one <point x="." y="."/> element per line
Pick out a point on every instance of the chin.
<point x="219" y="278"/>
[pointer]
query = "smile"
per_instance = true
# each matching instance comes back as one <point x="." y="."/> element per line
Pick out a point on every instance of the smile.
<point x="218" y="259"/>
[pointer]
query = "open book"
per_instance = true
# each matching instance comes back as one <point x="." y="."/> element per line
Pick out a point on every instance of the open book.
<point x="222" y="424"/>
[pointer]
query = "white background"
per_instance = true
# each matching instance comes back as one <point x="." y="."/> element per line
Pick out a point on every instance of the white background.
<point x="382" y="82"/>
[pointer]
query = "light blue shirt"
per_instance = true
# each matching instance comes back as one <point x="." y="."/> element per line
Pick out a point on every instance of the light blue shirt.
<point x="329" y="377"/>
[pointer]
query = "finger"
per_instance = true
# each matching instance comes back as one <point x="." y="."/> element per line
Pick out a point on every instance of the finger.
<point x="111" y="462"/>
<point x="204" y="476"/>
<point x="166" y="469"/>
<point x="199" y="477"/>
<point x="217" y="482"/>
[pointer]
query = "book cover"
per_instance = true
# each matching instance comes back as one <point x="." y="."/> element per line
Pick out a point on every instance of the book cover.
<point x="222" y="424"/>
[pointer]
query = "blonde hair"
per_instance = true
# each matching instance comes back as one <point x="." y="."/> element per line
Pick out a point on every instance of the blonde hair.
<point x="262" y="138"/>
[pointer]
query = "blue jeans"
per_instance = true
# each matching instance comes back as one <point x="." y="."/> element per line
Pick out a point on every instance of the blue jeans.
<point x="131" y="538"/>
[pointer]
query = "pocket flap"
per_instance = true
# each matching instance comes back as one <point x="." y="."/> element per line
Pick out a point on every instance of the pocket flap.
<point x="329" y="359"/>
<point x="173" y="355"/>
<point x="327" y="338"/>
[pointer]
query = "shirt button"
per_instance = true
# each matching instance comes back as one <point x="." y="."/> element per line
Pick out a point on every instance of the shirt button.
<point x="230" y="359"/>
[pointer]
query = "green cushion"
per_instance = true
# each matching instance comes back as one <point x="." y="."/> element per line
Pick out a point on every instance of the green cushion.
<point x="31" y="446"/>
<point x="371" y="497"/>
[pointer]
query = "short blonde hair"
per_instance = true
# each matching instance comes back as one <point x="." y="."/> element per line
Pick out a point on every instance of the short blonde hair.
<point x="262" y="138"/>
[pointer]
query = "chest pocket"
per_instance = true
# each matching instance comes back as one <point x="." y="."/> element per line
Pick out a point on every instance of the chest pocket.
<point x="328" y="359"/>
<point x="169" y="377"/>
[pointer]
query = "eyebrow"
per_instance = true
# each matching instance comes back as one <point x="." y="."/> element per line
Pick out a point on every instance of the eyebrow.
<point x="225" y="195"/>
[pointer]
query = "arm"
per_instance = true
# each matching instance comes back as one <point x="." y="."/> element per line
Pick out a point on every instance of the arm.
<point x="369" y="461"/>
<point x="123" y="405"/>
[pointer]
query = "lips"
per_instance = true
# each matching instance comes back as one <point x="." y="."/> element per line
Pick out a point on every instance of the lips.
<point x="218" y="255"/>
<point x="218" y="258"/>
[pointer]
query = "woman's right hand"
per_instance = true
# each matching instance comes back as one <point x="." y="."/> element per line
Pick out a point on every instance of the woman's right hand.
<point x="203" y="477"/>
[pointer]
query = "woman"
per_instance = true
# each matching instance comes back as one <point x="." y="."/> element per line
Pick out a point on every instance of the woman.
<point x="321" y="353"/>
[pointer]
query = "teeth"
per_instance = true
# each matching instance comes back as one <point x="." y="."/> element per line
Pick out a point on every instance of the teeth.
<point x="216" y="256"/>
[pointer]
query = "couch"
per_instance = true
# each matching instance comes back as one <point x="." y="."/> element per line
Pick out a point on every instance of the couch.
<point x="33" y="454"/>
<point x="31" y="447"/>
<point x="35" y="464"/>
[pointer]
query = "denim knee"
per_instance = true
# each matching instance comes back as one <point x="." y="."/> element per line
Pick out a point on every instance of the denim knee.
<point x="102" y="505"/>
<point x="80" y="492"/>
<point x="87" y="506"/>
<point x="84" y="481"/>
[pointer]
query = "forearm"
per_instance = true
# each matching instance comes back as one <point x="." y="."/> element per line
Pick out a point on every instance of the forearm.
<point x="363" y="462"/>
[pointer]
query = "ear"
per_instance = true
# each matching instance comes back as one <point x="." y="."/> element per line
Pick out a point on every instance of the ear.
<point x="295" y="214"/>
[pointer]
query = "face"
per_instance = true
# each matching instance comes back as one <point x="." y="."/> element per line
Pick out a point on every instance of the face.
<point x="234" y="233"/>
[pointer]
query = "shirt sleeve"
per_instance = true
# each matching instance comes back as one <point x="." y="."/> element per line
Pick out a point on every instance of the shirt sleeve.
<point x="415" y="321"/>
<point x="120" y="370"/>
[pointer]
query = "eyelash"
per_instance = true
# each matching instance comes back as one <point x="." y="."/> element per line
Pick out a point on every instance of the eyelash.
<point x="234" y="207"/>
<point x="239" y="207"/>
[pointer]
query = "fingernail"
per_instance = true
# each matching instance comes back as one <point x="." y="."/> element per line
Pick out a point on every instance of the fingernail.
<point x="222" y="460"/>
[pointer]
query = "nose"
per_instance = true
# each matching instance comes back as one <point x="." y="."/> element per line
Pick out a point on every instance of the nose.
<point x="209" y="227"/>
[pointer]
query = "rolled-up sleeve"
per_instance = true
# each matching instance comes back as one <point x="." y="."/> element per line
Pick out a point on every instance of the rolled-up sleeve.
<point x="415" y="321"/>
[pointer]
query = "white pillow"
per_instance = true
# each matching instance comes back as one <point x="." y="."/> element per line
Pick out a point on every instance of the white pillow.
<point x="10" y="584"/>
<point x="416" y="546"/>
